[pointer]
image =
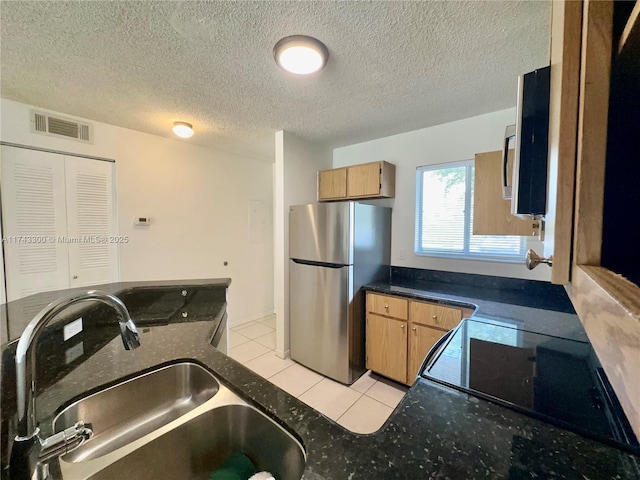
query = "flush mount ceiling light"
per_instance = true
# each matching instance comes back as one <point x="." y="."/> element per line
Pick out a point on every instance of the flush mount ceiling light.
<point x="183" y="129"/>
<point x="300" y="54"/>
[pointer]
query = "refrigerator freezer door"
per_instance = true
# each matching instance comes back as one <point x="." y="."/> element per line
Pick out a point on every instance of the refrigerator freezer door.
<point x="319" y="299"/>
<point x="322" y="232"/>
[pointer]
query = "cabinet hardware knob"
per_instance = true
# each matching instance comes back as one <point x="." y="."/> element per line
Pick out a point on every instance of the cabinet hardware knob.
<point x="401" y="326"/>
<point x="532" y="260"/>
<point x="413" y="328"/>
<point x="75" y="277"/>
<point x="435" y="317"/>
<point x="386" y="307"/>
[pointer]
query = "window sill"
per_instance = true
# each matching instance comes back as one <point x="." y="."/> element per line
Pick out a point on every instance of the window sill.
<point x="475" y="258"/>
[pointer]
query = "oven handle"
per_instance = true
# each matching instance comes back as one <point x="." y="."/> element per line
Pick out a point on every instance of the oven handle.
<point x="434" y="350"/>
<point x="509" y="133"/>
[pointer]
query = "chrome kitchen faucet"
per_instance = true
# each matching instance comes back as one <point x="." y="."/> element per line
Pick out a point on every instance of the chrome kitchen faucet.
<point x="30" y="452"/>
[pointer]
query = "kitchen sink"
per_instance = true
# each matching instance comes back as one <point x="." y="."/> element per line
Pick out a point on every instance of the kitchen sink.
<point x="196" y="448"/>
<point x="177" y="422"/>
<point x="129" y="410"/>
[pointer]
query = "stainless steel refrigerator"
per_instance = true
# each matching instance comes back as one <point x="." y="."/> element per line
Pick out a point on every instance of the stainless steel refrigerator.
<point x="334" y="249"/>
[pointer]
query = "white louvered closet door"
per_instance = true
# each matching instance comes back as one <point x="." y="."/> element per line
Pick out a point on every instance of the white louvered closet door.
<point x="33" y="216"/>
<point x="90" y="219"/>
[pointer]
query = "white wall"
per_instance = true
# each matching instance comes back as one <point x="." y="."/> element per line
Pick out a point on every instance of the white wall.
<point x="198" y="200"/>
<point x="296" y="167"/>
<point x="449" y="142"/>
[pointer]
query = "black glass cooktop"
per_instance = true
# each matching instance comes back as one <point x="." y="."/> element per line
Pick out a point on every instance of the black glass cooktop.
<point x="554" y="379"/>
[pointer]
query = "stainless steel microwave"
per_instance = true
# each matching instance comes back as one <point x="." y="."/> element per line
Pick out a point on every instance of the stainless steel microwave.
<point x="528" y="187"/>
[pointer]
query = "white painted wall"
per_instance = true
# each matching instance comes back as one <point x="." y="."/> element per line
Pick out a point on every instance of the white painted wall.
<point x="296" y="167"/>
<point x="198" y="200"/>
<point x="449" y="142"/>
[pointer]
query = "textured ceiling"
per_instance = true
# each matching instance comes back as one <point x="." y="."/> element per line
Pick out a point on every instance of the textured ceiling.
<point x="394" y="66"/>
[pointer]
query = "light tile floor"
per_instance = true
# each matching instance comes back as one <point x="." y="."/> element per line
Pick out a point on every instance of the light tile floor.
<point x="362" y="407"/>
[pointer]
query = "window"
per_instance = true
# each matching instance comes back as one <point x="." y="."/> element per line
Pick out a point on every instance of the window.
<point x="444" y="217"/>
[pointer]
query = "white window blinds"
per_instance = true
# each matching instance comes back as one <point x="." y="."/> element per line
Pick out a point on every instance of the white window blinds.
<point x="444" y="213"/>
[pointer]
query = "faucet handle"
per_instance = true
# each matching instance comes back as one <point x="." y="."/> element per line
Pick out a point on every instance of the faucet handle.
<point x="64" y="441"/>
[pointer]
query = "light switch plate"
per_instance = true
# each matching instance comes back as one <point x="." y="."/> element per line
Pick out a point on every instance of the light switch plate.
<point x="71" y="329"/>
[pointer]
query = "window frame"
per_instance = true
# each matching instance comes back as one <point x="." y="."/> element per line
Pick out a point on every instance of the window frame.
<point x="468" y="221"/>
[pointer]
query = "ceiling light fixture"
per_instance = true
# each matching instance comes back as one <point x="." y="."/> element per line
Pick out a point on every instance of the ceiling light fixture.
<point x="300" y="54"/>
<point x="183" y="129"/>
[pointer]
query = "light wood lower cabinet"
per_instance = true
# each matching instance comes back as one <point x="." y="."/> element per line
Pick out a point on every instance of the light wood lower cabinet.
<point x="387" y="346"/>
<point x="400" y="333"/>
<point x="421" y="339"/>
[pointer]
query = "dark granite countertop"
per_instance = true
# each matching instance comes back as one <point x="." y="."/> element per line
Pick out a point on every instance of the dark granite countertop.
<point x="434" y="432"/>
<point x="541" y="312"/>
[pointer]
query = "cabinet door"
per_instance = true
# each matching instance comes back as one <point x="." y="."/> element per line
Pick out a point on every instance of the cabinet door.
<point x="34" y="219"/>
<point x="332" y="184"/>
<point x="421" y="339"/>
<point x="387" y="347"/>
<point x="491" y="213"/>
<point x="93" y="259"/>
<point x="363" y="180"/>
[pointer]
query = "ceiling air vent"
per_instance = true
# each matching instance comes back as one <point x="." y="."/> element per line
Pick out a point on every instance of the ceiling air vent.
<point x="60" y="126"/>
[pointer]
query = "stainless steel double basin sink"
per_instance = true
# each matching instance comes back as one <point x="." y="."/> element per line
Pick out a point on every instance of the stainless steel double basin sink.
<point x="176" y="422"/>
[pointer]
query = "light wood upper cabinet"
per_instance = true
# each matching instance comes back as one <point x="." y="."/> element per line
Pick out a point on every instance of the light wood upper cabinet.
<point x="363" y="180"/>
<point x="491" y="213"/>
<point x="332" y="184"/>
<point x="387" y="346"/>
<point x="368" y="180"/>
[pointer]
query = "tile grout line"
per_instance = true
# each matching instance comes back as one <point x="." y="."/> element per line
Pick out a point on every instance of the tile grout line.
<point x="370" y="387"/>
<point x="363" y="395"/>
<point x="271" y="330"/>
<point x="298" y="396"/>
<point x="337" y="420"/>
<point x="349" y="407"/>
<point x="247" y="361"/>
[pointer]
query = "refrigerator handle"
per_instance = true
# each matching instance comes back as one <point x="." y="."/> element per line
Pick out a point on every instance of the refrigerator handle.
<point x="317" y="264"/>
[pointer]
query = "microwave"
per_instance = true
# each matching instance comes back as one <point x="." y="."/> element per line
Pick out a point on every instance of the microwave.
<point x="530" y="136"/>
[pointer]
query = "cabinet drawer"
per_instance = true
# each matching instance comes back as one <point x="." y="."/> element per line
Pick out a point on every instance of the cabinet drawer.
<point x="387" y="305"/>
<point x="434" y="315"/>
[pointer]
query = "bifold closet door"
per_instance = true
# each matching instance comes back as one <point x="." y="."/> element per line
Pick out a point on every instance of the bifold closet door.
<point x="34" y="217"/>
<point x="91" y="225"/>
<point x="58" y="221"/>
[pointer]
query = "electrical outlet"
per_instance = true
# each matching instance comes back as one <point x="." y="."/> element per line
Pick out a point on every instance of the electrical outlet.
<point x="401" y="255"/>
<point x="71" y="329"/>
